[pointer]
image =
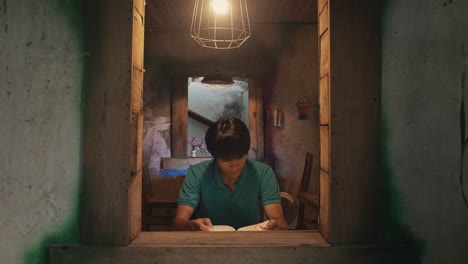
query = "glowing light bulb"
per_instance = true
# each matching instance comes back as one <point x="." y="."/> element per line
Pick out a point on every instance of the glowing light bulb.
<point x="220" y="6"/>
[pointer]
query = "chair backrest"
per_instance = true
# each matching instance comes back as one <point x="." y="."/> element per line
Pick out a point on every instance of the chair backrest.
<point x="146" y="188"/>
<point x="307" y="172"/>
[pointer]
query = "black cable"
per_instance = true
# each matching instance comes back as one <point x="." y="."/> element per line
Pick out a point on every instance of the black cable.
<point x="464" y="143"/>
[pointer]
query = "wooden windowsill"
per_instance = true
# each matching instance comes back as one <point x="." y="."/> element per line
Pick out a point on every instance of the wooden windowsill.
<point x="274" y="247"/>
<point x="270" y="238"/>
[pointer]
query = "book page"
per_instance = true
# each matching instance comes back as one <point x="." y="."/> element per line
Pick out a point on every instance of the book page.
<point x="217" y="228"/>
<point x="257" y="227"/>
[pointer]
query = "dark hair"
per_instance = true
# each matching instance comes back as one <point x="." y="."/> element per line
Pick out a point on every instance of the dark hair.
<point x="228" y="139"/>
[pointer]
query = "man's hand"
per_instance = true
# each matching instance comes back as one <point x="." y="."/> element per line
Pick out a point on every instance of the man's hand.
<point x="275" y="213"/>
<point x="182" y="221"/>
<point x="274" y="224"/>
<point x="202" y="224"/>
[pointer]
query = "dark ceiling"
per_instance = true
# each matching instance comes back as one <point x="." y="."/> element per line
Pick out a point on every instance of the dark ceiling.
<point x="274" y="12"/>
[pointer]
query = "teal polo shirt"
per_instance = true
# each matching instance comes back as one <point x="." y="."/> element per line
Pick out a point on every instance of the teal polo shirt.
<point x="204" y="191"/>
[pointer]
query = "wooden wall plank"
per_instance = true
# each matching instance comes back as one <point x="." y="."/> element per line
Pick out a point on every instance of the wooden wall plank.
<point x="179" y="116"/>
<point x="107" y="129"/>
<point x="324" y="215"/>
<point x="134" y="144"/>
<point x="323" y="20"/>
<point x="138" y="37"/>
<point x="324" y="100"/>
<point x="320" y="5"/>
<point x="325" y="53"/>
<point x="137" y="89"/>
<point x="135" y="183"/>
<point x="324" y="116"/>
<point x="139" y="5"/>
<point x="324" y="148"/>
<point x="139" y="150"/>
<point x="355" y="81"/>
<point x="135" y="205"/>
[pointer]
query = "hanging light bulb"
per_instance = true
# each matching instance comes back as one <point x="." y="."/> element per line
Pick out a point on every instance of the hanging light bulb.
<point x="220" y="24"/>
<point x="220" y="7"/>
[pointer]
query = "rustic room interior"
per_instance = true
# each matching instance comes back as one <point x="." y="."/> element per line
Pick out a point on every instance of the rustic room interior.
<point x="95" y="102"/>
<point x="283" y="43"/>
<point x="283" y="37"/>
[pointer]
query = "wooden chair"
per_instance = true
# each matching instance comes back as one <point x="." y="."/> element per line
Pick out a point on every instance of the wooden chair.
<point x="158" y="208"/>
<point x="147" y="194"/>
<point x="305" y="197"/>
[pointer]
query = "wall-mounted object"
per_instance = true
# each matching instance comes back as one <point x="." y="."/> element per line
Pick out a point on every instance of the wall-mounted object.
<point x="278" y="117"/>
<point x="302" y="107"/>
<point x="220" y="24"/>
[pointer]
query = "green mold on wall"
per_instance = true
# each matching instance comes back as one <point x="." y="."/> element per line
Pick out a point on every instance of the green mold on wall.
<point x="68" y="233"/>
<point x="70" y="11"/>
<point x="395" y="233"/>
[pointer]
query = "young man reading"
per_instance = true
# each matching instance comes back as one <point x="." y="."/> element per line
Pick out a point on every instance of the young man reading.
<point x="229" y="189"/>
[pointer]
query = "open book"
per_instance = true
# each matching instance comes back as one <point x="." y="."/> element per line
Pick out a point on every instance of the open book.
<point x="257" y="227"/>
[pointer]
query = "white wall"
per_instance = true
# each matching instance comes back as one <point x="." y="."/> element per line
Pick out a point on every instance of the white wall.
<point x="213" y="103"/>
<point x="40" y="133"/>
<point x="425" y="47"/>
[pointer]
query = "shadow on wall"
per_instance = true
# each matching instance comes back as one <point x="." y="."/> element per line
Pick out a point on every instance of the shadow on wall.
<point x="395" y="233"/>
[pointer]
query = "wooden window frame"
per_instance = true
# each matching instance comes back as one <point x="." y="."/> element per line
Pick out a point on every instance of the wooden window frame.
<point x="111" y="199"/>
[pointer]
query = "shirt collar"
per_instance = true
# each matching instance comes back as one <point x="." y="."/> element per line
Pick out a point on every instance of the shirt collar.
<point x="216" y="180"/>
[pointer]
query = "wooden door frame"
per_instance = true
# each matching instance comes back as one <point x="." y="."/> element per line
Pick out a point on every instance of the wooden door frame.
<point x="179" y="118"/>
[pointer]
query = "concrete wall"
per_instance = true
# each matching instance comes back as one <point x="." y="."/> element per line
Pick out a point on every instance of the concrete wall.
<point x="425" y="68"/>
<point x="295" y="77"/>
<point x="41" y="83"/>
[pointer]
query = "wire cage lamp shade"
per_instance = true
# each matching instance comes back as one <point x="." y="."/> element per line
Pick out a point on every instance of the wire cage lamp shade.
<point x="220" y="24"/>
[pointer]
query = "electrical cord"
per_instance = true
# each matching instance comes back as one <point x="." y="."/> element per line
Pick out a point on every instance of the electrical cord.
<point x="463" y="141"/>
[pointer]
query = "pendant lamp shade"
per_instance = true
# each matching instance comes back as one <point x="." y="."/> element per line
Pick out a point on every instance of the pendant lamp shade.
<point x="217" y="80"/>
<point x="220" y="24"/>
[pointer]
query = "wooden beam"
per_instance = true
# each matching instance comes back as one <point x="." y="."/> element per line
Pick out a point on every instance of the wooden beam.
<point x="179" y="116"/>
<point x="256" y="123"/>
<point x="135" y="183"/>
<point x="324" y="116"/>
<point x="104" y="218"/>
<point x="355" y="91"/>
